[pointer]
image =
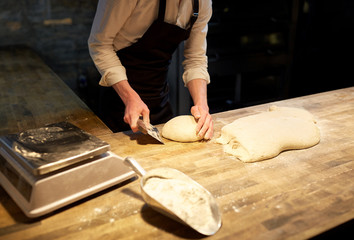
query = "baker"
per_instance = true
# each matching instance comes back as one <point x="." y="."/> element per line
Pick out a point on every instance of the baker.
<point x="131" y="44"/>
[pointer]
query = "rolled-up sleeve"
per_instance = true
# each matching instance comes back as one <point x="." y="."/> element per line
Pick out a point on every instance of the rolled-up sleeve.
<point x="196" y="62"/>
<point x="109" y="19"/>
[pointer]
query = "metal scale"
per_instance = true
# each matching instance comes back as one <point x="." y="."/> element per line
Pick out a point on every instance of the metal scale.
<point x="47" y="168"/>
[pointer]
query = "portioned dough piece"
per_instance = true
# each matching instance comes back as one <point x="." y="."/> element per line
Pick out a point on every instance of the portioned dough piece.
<point x="265" y="135"/>
<point x="181" y="128"/>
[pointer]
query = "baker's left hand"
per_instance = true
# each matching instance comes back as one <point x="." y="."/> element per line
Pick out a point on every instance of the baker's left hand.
<point x="205" y="126"/>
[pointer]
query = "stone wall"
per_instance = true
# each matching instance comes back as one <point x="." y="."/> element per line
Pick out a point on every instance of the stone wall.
<point x="57" y="30"/>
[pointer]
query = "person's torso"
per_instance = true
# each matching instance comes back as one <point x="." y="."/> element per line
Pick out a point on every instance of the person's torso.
<point x="145" y="13"/>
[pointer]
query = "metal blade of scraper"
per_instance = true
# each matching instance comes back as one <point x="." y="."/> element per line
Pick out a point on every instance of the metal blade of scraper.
<point x="151" y="130"/>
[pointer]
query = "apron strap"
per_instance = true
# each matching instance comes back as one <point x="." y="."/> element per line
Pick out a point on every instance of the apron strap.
<point x="195" y="14"/>
<point x="162" y="9"/>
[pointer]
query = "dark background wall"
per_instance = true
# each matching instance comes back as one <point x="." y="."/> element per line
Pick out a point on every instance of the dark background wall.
<point x="324" y="49"/>
<point x="58" y="31"/>
<point x="259" y="51"/>
<point x="262" y="51"/>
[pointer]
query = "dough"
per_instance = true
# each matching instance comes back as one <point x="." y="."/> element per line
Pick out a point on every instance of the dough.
<point x="265" y="135"/>
<point x="181" y="129"/>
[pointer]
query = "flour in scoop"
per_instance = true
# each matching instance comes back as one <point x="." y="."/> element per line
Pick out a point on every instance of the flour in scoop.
<point x="188" y="201"/>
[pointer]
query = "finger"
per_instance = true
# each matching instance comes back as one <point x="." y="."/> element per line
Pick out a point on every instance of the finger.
<point x="209" y="134"/>
<point x="126" y="119"/>
<point x="146" y="117"/>
<point x="205" y="125"/>
<point x="134" y="123"/>
<point x="198" y="117"/>
<point x="201" y="123"/>
<point x="195" y="112"/>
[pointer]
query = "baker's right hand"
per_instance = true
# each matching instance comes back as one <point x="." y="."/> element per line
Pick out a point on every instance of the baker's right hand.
<point x="135" y="108"/>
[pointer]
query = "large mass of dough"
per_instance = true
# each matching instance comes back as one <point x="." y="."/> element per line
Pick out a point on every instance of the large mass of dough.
<point x="265" y="135"/>
<point x="181" y="128"/>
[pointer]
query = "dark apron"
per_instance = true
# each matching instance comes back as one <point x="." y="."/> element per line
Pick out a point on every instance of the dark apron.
<point x="146" y="63"/>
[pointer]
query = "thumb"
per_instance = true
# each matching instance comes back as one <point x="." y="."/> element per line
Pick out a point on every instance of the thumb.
<point x="195" y="112"/>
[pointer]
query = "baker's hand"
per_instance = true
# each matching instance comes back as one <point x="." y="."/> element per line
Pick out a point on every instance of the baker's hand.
<point x="205" y="126"/>
<point x="135" y="108"/>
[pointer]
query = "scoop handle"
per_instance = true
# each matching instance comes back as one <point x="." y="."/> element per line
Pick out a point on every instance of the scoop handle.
<point x="131" y="162"/>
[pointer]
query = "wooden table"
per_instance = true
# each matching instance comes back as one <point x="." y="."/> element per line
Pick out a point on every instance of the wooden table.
<point x="32" y="95"/>
<point x="296" y="195"/>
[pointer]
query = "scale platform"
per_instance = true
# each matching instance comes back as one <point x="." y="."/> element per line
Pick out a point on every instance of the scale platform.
<point x="47" y="168"/>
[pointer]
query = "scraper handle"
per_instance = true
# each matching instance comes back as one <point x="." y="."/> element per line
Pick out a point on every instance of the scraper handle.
<point x="131" y="162"/>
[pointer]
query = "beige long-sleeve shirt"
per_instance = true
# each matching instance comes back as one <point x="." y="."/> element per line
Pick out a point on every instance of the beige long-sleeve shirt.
<point x="120" y="23"/>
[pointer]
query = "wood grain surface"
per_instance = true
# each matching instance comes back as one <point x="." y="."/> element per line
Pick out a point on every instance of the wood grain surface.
<point x="32" y="95"/>
<point x="296" y="195"/>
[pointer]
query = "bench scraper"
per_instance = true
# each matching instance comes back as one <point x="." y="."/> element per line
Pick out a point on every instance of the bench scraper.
<point x="150" y="130"/>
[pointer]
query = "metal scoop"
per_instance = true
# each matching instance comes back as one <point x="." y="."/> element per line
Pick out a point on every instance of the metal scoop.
<point x="205" y="225"/>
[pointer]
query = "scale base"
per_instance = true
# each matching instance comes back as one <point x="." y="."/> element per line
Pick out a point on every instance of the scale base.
<point x="50" y="192"/>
